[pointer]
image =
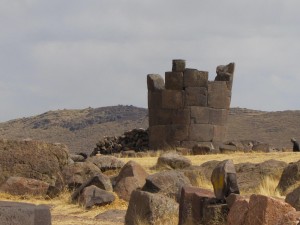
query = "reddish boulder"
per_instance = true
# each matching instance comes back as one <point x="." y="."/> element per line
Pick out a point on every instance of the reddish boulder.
<point x="24" y="186"/>
<point x="238" y="211"/>
<point x="290" y="218"/>
<point x="131" y="177"/>
<point x="265" y="210"/>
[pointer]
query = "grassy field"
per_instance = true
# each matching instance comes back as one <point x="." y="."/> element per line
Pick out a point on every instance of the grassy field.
<point x="65" y="213"/>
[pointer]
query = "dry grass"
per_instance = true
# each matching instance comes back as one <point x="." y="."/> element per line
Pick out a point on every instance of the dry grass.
<point x="65" y="213"/>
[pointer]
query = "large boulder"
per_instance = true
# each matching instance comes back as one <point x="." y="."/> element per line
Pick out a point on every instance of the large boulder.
<point x="265" y="210"/>
<point x="224" y="180"/>
<point x="101" y="181"/>
<point x="192" y="204"/>
<point x="173" y="160"/>
<point x="32" y="159"/>
<point x="290" y="177"/>
<point x="168" y="183"/>
<point x="131" y="177"/>
<point x="24" y="186"/>
<point x="152" y="209"/>
<point x="14" y="213"/>
<point x="78" y="173"/>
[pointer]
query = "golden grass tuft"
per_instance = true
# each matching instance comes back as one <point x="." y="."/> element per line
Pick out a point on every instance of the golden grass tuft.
<point x="268" y="187"/>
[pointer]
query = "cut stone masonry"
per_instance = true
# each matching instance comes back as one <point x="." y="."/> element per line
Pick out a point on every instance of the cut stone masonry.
<point x="186" y="109"/>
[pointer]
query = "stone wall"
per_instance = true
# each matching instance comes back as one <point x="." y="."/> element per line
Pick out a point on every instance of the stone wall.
<point x="186" y="109"/>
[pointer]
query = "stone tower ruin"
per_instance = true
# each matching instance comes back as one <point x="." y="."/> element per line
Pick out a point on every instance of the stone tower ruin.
<point x="186" y="109"/>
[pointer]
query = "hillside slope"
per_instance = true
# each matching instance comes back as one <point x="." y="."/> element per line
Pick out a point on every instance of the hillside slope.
<point x="81" y="129"/>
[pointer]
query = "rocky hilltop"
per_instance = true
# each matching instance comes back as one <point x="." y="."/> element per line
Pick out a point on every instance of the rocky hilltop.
<point x="81" y="129"/>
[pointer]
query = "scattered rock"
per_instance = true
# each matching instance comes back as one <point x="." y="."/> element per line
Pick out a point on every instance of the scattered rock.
<point x="14" y="213"/>
<point x="290" y="176"/>
<point x="131" y="177"/>
<point x="93" y="195"/>
<point x="173" y="160"/>
<point x="293" y="198"/>
<point x="101" y="181"/>
<point x="145" y="207"/>
<point x="224" y="180"/>
<point x="105" y="162"/>
<point x="77" y="158"/>
<point x="24" y="186"/>
<point x="201" y="149"/>
<point x="239" y="207"/>
<point x="168" y="183"/>
<point x="192" y="203"/>
<point x="78" y="173"/>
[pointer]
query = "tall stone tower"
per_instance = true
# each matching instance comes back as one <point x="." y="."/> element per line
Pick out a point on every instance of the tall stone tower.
<point x="186" y="109"/>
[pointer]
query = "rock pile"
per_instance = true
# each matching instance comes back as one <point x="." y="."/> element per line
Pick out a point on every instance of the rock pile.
<point x="136" y="139"/>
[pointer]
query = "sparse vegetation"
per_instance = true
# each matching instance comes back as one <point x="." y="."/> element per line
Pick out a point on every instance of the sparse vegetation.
<point x="65" y="213"/>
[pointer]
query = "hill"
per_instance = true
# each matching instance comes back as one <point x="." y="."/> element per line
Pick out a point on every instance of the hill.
<point x="81" y="129"/>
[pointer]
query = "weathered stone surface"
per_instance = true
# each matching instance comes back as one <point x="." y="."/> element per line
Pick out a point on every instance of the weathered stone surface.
<point x="174" y="80"/>
<point x="192" y="202"/>
<point x="155" y="82"/>
<point x="154" y="99"/>
<point x="265" y="210"/>
<point x="224" y="180"/>
<point x="93" y="195"/>
<point x="219" y="133"/>
<point x="15" y="213"/>
<point x="199" y="115"/>
<point x="293" y="198"/>
<point x="218" y="95"/>
<point x="290" y="176"/>
<point x="77" y="158"/>
<point x="180" y="116"/>
<point x="32" y="159"/>
<point x="225" y="73"/>
<point x="290" y="218"/>
<point x="168" y="183"/>
<point x="101" y="181"/>
<point x="169" y="117"/>
<point x="201" y="132"/>
<point x="131" y="177"/>
<point x="24" y="186"/>
<point x="227" y="148"/>
<point x="250" y="175"/>
<point x="173" y="160"/>
<point x="201" y="149"/>
<point x="238" y="212"/>
<point x="106" y="162"/>
<point x="195" y="78"/>
<point x="157" y="137"/>
<point x="172" y="99"/>
<point x="78" y="173"/>
<point x="218" y="116"/>
<point x="215" y="214"/>
<point x="195" y="96"/>
<point x="262" y="147"/>
<point x="176" y="133"/>
<point x="178" y="65"/>
<point x="151" y="208"/>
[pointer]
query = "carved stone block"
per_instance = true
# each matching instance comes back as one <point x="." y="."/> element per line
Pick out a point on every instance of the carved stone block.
<point x="218" y="95"/>
<point x="154" y="99"/>
<point x="199" y="115"/>
<point x="172" y="99"/>
<point x="174" y="80"/>
<point x="155" y="82"/>
<point x="218" y="116"/>
<point x="195" y="78"/>
<point x="195" y="96"/>
<point x="178" y="65"/>
<point x="201" y="132"/>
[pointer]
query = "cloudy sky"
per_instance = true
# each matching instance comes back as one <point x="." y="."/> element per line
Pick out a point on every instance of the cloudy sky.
<point x="76" y="54"/>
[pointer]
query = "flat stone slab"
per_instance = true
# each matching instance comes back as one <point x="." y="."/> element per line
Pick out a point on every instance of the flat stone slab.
<point x="16" y="213"/>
